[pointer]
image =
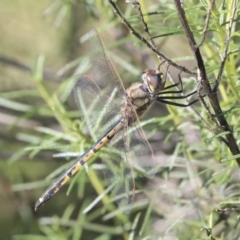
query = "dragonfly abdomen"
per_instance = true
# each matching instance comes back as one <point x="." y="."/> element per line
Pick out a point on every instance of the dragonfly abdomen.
<point x="65" y="177"/>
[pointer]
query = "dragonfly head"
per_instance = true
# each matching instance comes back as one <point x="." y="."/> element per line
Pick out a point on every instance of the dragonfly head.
<point x="153" y="80"/>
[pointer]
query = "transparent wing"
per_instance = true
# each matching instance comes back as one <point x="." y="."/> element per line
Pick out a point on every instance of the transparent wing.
<point x="116" y="171"/>
<point x="100" y="116"/>
<point x="101" y="89"/>
<point x="99" y="95"/>
<point x="140" y="154"/>
<point x="127" y="151"/>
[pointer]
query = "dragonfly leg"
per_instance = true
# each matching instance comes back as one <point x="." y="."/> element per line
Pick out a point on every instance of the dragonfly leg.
<point x="164" y="99"/>
<point x="176" y="104"/>
<point x="174" y="85"/>
<point x="176" y="97"/>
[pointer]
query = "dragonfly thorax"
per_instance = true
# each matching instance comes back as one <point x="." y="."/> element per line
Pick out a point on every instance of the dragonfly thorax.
<point x="138" y="98"/>
<point x="153" y="80"/>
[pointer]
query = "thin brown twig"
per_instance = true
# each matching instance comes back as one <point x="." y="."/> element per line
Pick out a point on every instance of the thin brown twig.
<point x="204" y="32"/>
<point x="143" y="40"/>
<point x="145" y="26"/>
<point x="203" y="102"/>
<point x="137" y="5"/>
<point x="199" y="79"/>
<point x="198" y="114"/>
<point x="225" y="53"/>
<point x="232" y="144"/>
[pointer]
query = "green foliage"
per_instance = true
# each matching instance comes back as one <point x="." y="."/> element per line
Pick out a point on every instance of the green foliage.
<point x="196" y="173"/>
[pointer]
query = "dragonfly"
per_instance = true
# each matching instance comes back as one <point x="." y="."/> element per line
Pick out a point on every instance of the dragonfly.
<point x="111" y="117"/>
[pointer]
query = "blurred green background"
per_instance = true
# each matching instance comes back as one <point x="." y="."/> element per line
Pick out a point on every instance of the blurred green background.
<point x="41" y="51"/>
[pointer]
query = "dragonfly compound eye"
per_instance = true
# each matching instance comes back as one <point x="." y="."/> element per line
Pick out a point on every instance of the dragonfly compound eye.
<point x="153" y="81"/>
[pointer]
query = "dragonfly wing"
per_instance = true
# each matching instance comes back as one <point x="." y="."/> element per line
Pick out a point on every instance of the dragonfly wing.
<point x="101" y="115"/>
<point x="100" y="92"/>
<point x="117" y="172"/>
<point x="100" y="96"/>
<point x="128" y="150"/>
<point x="141" y="156"/>
<point x="102" y="70"/>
